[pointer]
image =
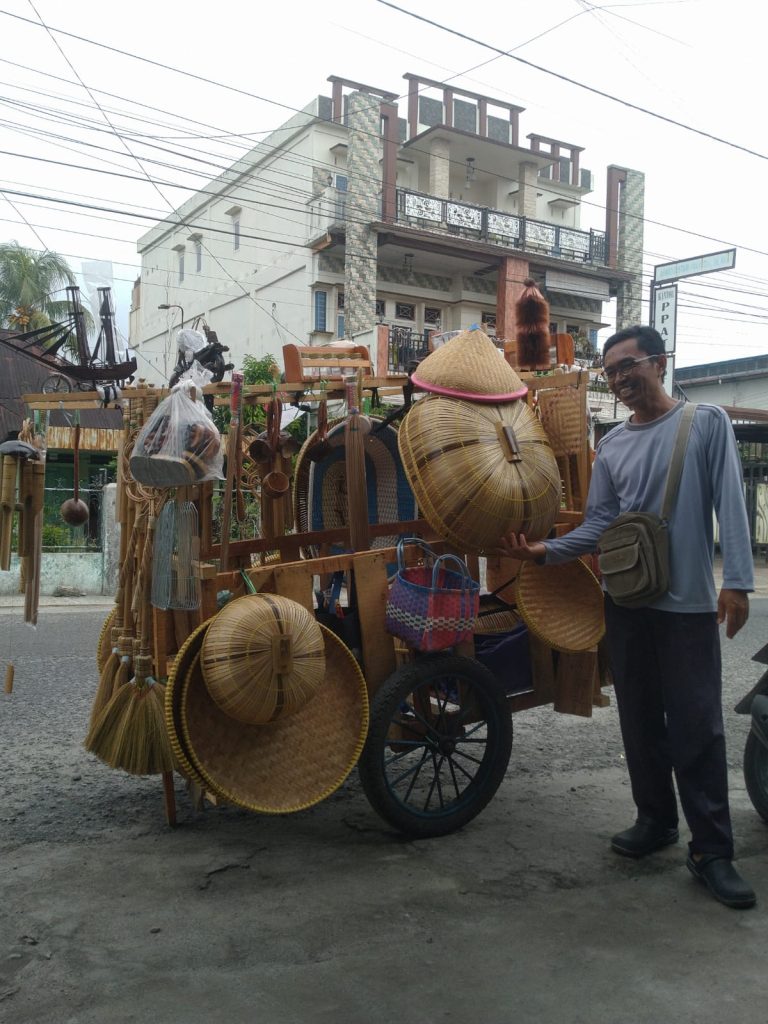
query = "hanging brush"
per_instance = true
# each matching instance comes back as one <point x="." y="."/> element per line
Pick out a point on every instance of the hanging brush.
<point x="532" y="328"/>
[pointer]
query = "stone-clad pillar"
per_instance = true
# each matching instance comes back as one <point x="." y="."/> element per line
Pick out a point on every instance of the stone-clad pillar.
<point x="440" y="168"/>
<point x="629" y="253"/>
<point x="364" y="187"/>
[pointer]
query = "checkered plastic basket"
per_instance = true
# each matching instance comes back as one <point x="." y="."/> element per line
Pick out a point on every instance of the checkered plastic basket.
<point x="430" y="606"/>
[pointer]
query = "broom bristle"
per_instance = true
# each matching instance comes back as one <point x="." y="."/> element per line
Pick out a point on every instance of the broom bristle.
<point x="123" y="674"/>
<point x="532" y="327"/>
<point x="102" y="735"/>
<point x="142" y="745"/>
<point x="105" y="688"/>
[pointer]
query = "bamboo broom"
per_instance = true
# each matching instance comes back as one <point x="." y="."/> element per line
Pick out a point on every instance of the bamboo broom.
<point x="105" y="720"/>
<point x="141" y="742"/>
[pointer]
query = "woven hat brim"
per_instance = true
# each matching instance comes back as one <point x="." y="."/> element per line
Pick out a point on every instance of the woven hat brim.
<point x="561" y="604"/>
<point x="173" y="689"/>
<point x="290" y="764"/>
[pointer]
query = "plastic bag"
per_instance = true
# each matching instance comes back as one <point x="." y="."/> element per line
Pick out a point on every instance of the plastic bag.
<point x="179" y="444"/>
<point x="190" y="342"/>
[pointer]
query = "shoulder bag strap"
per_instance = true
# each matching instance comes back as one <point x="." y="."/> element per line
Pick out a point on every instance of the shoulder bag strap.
<point x="676" y="462"/>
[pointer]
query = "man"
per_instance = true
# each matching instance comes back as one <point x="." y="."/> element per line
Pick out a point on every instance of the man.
<point x="666" y="657"/>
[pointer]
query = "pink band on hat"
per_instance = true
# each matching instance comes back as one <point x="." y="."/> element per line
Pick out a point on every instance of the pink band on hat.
<point x="471" y="396"/>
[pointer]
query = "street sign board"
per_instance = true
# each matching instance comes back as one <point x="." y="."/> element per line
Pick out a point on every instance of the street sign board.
<point x="724" y="260"/>
<point x="665" y="315"/>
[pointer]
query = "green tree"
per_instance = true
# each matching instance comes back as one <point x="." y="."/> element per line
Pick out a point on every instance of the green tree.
<point x="29" y="280"/>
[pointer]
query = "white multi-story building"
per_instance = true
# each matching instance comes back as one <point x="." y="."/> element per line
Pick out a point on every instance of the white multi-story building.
<point x="351" y="222"/>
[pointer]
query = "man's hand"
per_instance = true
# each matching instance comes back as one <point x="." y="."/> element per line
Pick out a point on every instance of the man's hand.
<point x="733" y="610"/>
<point x="514" y="545"/>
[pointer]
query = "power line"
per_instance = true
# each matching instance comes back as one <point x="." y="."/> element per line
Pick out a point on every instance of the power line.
<point x="573" y="81"/>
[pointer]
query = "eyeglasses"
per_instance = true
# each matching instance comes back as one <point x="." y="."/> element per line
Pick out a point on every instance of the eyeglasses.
<point x="624" y="368"/>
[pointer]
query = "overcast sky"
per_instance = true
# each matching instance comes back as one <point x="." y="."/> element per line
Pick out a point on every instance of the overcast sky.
<point x="698" y="62"/>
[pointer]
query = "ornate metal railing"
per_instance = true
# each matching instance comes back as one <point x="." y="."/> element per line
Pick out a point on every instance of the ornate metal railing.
<point x="406" y="347"/>
<point x="488" y="225"/>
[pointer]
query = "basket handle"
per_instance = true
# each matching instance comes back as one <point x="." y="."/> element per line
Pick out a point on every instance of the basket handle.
<point x="440" y="563"/>
<point x="428" y="552"/>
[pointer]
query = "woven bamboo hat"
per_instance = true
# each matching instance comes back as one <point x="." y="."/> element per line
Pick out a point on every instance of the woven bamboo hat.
<point x="189" y="651"/>
<point x="263" y="658"/>
<point x="561" y="604"/>
<point x="469" y="366"/>
<point x="292" y="763"/>
<point x="479" y="471"/>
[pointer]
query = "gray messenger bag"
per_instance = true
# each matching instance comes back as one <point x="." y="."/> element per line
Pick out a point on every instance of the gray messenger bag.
<point x="633" y="553"/>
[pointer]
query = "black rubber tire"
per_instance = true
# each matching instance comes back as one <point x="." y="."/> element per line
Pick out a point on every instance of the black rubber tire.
<point x="756" y="774"/>
<point x="464" y="709"/>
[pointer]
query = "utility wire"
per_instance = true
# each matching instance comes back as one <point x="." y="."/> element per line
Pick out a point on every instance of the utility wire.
<point x="573" y="81"/>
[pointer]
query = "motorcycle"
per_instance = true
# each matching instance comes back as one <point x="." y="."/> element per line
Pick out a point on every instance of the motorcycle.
<point x="756" y="749"/>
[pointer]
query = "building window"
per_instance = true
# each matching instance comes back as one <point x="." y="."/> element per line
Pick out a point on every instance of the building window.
<point x="234" y="214"/>
<point x="488" y="321"/>
<point x="572" y="329"/>
<point x="432" y="316"/>
<point x="340" y="326"/>
<point x="321" y="309"/>
<point x="340" y="300"/>
<point x="553" y="327"/>
<point x="405" y="311"/>
<point x="180" y="261"/>
<point x="381" y="309"/>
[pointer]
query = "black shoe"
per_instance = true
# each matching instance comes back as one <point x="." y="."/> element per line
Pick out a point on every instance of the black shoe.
<point x="643" y="838"/>
<point x="723" y="881"/>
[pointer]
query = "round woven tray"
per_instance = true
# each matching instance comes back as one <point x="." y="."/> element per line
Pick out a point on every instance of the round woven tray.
<point x="464" y="484"/>
<point x="173" y="689"/>
<point x="104" y="643"/>
<point x="290" y="764"/>
<point x="263" y="658"/>
<point x="561" y="604"/>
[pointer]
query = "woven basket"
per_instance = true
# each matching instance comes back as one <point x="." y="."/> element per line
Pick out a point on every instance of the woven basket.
<point x="469" y="366"/>
<point x="561" y="604"/>
<point x="456" y="459"/>
<point x="263" y="658"/>
<point x="292" y="763"/>
<point x="173" y="690"/>
<point x="563" y="414"/>
<point x="320" y="488"/>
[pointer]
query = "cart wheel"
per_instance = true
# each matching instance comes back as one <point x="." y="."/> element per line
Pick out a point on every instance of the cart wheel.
<point x="438" y="745"/>
<point x="756" y="774"/>
<point x="55" y="384"/>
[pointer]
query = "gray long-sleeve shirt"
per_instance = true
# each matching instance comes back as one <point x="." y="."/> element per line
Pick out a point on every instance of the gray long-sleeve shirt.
<point x="629" y="475"/>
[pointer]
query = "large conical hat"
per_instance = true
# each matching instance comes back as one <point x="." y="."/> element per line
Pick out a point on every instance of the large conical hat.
<point x="469" y="366"/>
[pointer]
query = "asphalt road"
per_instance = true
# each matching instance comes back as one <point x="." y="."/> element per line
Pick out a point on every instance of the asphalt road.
<point x="109" y="917"/>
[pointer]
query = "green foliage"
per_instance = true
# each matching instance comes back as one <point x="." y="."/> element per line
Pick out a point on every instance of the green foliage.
<point x="29" y="280"/>
<point x="56" y="536"/>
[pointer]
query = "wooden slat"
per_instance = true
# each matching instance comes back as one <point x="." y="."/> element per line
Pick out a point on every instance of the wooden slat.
<point x="574" y="682"/>
<point x="371" y="589"/>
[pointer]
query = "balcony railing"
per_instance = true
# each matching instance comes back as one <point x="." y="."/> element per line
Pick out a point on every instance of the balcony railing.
<point x="489" y="225"/>
<point x="406" y="346"/>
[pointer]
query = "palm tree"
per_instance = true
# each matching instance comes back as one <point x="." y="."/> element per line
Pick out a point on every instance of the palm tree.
<point x="28" y="282"/>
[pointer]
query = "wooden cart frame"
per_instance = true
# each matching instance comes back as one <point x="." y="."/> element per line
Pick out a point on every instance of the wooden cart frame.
<point x="571" y="683"/>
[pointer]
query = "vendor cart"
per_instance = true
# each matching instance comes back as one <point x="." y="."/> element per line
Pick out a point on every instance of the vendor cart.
<point x="439" y="726"/>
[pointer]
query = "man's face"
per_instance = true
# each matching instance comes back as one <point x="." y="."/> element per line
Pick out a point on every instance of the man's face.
<point x="634" y="383"/>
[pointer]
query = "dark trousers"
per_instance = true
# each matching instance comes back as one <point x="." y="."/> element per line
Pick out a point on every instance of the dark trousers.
<point x="668" y="685"/>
